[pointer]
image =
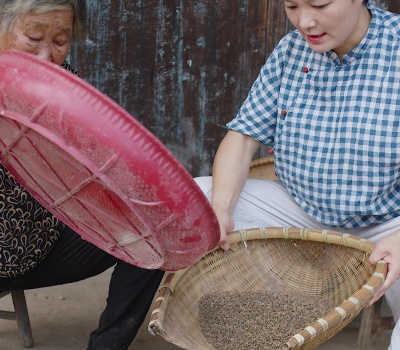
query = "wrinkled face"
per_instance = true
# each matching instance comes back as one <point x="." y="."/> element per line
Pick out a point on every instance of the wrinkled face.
<point x="337" y="25"/>
<point x="46" y="35"/>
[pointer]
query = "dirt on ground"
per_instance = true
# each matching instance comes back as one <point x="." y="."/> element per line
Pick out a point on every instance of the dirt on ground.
<point x="63" y="316"/>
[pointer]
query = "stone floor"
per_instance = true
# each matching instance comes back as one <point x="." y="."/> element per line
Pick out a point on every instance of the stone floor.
<point x="63" y="316"/>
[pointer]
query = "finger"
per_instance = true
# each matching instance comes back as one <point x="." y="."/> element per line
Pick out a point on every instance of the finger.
<point x="380" y="292"/>
<point x="376" y="255"/>
<point x="390" y="279"/>
<point x="377" y="296"/>
<point x="223" y="242"/>
<point x="224" y="246"/>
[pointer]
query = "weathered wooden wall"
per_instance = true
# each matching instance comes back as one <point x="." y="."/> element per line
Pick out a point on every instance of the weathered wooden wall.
<point x="182" y="68"/>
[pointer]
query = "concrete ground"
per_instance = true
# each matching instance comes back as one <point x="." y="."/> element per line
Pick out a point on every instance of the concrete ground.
<point x="63" y="316"/>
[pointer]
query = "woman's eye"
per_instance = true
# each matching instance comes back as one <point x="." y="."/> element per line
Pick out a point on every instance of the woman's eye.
<point x="61" y="43"/>
<point x="320" y="6"/>
<point x="33" y="39"/>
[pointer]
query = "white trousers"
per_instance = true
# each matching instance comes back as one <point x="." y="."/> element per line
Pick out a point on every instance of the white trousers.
<point x="265" y="203"/>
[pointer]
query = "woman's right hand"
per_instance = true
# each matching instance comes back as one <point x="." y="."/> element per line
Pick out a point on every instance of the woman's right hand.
<point x="230" y="172"/>
<point x="226" y="225"/>
<point x="387" y="249"/>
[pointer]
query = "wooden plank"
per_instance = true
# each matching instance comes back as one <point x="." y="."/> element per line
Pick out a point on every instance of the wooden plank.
<point x="22" y="318"/>
<point x="7" y="315"/>
<point x="181" y="68"/>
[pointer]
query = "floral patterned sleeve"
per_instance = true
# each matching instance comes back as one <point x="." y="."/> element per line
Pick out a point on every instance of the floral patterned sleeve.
<point x="27" y="230"/>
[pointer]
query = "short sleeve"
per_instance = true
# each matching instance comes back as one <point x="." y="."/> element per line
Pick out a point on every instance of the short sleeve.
<point x="257" y="115"/>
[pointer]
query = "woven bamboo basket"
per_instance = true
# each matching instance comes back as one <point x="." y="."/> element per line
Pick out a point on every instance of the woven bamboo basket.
<point x="263" y="168"/>
<point x="317" y="265"/>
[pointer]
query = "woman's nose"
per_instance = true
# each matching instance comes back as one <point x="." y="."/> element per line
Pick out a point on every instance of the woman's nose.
<point x="306" y="20"/>
<point x="44" y="52"/>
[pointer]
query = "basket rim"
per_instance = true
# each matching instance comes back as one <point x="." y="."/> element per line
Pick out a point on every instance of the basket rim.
<point x="353" y="304"/>
<point x="262" y="161"/>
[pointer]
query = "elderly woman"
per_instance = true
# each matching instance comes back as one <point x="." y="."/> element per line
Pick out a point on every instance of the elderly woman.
<point x="56" y="254"/>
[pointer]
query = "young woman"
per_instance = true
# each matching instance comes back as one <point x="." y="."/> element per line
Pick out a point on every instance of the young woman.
<point x="327" y="100"/>
<point x="36" y="249"/>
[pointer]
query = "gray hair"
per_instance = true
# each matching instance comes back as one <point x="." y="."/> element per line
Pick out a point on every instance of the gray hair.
<point x="10" y="10"/>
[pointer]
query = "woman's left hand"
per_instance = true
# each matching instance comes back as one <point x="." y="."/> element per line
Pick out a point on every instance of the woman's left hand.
<point x="387" y="249"/>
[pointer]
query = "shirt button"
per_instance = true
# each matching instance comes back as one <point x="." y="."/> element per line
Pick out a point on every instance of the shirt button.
<point x="305" y="70"/>
<point x="283" y="112"/>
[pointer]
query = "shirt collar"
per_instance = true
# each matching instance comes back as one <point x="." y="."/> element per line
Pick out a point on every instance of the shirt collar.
<point x="364" y="44"/>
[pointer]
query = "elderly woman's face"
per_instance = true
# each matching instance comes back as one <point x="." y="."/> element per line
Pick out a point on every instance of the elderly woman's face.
<point x="46" y="35"/>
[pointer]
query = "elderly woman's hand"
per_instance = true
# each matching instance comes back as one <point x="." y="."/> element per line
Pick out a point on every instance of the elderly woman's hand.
<point x="387" y="249"/>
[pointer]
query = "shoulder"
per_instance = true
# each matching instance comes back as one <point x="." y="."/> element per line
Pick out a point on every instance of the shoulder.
<point x="68" y="67"/>
<point x="387" y="21"/>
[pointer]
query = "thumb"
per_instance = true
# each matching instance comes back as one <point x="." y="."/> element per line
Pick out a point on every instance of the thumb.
<point x="223" y="242"/>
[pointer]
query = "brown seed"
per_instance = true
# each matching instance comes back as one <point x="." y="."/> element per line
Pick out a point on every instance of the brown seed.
<point x="255" y="320"/>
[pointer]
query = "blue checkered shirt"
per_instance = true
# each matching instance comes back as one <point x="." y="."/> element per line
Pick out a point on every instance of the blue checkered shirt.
<point x="335" y="128"/>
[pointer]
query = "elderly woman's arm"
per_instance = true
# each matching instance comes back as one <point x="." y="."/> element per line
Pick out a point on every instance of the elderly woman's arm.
<point x="230" y="171"/>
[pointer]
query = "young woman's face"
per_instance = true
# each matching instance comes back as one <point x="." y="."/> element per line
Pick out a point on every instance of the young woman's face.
<point x="46" y="35"/>
<point x="337" y="25"/>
